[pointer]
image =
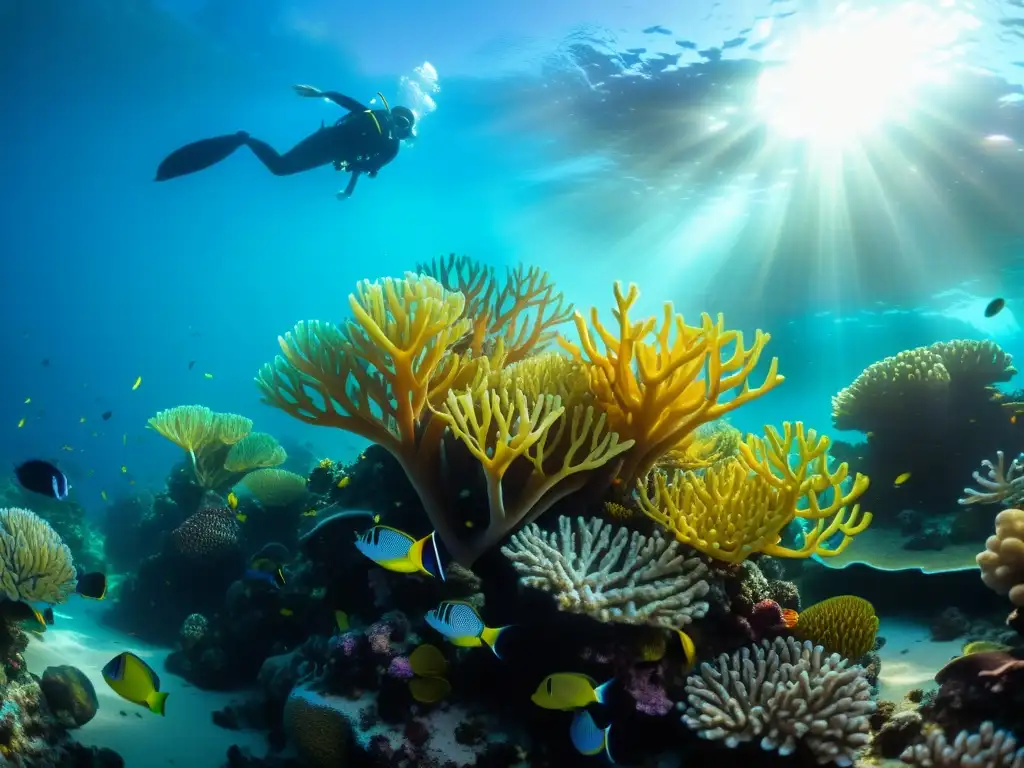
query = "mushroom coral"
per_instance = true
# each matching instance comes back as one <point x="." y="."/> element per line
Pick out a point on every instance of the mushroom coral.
<point x="413" y="372"/>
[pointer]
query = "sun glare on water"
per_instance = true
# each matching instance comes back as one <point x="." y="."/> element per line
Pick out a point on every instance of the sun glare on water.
<point x="864" y="68"/>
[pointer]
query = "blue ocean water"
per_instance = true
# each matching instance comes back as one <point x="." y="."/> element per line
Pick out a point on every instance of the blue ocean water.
<point x="610" y="141"/>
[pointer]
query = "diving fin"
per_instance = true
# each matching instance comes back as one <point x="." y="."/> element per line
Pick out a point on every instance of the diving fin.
<point x="199" y="155"/>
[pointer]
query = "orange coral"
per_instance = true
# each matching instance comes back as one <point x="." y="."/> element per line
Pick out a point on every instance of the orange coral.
<point x="657" y="387"/>
<point x="521" y="313"/>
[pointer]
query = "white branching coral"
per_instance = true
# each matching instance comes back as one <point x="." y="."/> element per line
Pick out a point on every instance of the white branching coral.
<point x="35" y="564"/>
<point x="1002" y="485"/>
<point x="784" y="693"/>
<point x="627" y="578"/>
<point x="988" y="748"/>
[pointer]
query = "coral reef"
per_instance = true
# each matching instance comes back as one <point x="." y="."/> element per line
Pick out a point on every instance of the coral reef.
<point x="845" y="625"/>
<point x="988" y="747"/>
<point x="34" y="563"/>
<point x="785" y="694"/>
<point x="628" y="578"/>
<point x="1002" y="562"/>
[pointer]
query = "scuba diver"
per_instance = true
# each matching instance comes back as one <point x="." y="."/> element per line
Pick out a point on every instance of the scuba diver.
<point x="363" y="141"/>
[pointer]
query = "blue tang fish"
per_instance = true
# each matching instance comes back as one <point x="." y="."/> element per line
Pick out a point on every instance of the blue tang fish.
<point x="587" y="737"/>
<point x="461" y="625"/>
<point x="397" y="551"/>
<point x="134" y="680"/>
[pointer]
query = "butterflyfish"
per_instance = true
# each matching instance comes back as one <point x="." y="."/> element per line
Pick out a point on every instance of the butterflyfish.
<point x="587" y="737"/>
<point x="43" y="478"/>
<point x="461" y="625"/>
<point x="134" y="680"/>
<point x="397" y="551"/>
<point x="569" y="690"/>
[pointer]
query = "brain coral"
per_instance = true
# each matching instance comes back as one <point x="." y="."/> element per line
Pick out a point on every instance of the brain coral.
<point x="34" y="563"/>
<point x="320" y="731"/>
<point x="846" y="625"/>
<point x="210" y="531"/>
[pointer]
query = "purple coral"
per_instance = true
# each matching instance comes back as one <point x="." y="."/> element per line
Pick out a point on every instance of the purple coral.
<point x="347" y="643"/>
<point x="400" y="668"/>
<point x="379" y="635"/>
<point x="644" y="685"/>
<point x="210" y="531"/>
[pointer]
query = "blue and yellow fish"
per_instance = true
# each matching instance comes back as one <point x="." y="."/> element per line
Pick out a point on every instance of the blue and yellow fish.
<point x="569" y="690"/>
<point x="461" y="625"/>
<point x="134" y="680"/>
<point x="397" y="551"/>
<point x="587" y="737"/>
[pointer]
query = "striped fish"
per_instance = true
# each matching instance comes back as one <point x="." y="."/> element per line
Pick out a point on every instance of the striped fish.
<point x="461" y="625"/>
<point x="397" y="551"/>
<point x="587" y="737"/>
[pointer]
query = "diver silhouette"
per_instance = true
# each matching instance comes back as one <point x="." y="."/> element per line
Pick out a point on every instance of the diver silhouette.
<point x="363" y="141"/>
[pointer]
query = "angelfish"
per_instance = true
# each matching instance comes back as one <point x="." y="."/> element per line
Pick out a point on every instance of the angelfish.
<point x="397" y="551"/>
<point x="461" y="625"/>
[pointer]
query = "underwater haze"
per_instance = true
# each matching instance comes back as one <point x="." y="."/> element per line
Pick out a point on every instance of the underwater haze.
<point x="845" y="177"/>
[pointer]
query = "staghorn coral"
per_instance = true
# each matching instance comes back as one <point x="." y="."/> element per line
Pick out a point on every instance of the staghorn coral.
<point x="1002" y="562"/>
<point x="520" y="314"/>
<point x="628" y="578"/>
<point x="275" y="487"/>
<point x="917" y="378"/>
<point x="657" y="385"/>
<point x="988" y="748"/>
<point x="783" y="693"/>
<point x="209" y="532"/>
<point x="1003" y="485"/>
<point x="35" y="565"/>
<point x="742" y="505"/>
<point x="846" y="625"/>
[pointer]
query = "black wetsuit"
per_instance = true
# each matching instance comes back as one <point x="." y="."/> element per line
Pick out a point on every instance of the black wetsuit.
<point x="362" y="141"/>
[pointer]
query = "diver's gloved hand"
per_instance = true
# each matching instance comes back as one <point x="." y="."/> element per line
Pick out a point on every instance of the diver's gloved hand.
<point x="307" y="90"/>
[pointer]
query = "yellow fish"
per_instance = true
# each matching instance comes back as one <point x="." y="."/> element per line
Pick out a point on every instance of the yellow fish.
<point x="132" y="679"/>
<point x="28" y="400"/>
<point x="569" y="690"/>
<point x="103" y="495"/>
<point x="901" y="479"/>
<point x="341" y="620"/>
<point x="689" y="650"/>
<point x="232" y="501"/>
<point x="21" y="423"/>
<point x="240" y="517"/>
<point x="207" y="375"/>
<point x="124" y="469"/>
<point x="397" y="551"/>
<point x="461" y="625"/>
<point x="137" y="384"/>
<point x="287" y="612"/>
<point x="343" y="483"/>
<point x="309" y="513"/>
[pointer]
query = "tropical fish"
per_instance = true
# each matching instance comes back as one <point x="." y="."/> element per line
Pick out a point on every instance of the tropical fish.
<point x="587" y="737"/>
<point x="103" y="495"/>
<point x="21" y="422"/>
<point x="286" y="612"/>
<point x="461" y="625"/>
<point x="274" y="578"/>
<point x="27" y="617"/>
<point x="92" y="585"/>
<point x="689" y="650"/>
<point x="310" y="512"/>
<point x="106" y="415"/>
<point x="901" y="479"/>
<point x="134" y="680"/>
<point x="569" y="690"/>
<point x="341" y="621"/>
<point x="232" y="501"/>
<point x="995" y="307"/>
<point x="983" y="646"/>
<point x="397" y="551"/>
<point x="82" y="420"/>
<point x="136" y="385"/>
<point x="43" y="478"/>
<point x="343" y="483"/>
<point x="124" y="469"/>
<point x="28" y="400"/>
<point x="207" y="375"/>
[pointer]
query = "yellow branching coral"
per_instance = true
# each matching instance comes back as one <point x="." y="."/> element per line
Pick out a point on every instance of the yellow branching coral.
<point x="740" y="506"/>
<point x="274" y="487"/>
<point x="35" y="565"/>
<point x="846" y="625"/>
<point x="658" y="384"/>
<point x="521" y="313"/>
<point x="255" y="451"/>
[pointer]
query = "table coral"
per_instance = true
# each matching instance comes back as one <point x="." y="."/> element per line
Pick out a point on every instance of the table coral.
<point x="626" y="578"/>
